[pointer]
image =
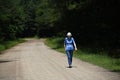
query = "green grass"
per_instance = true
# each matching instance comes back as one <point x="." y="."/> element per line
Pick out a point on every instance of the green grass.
<point x="56" y="44"/>
<point x="100" y="60"/>
<point x="8" y="44"/>
<point x="97" y="59"/>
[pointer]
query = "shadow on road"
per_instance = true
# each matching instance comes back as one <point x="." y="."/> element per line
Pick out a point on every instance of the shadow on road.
<point x="5" y="61"/>
<point x="117" y="71"/>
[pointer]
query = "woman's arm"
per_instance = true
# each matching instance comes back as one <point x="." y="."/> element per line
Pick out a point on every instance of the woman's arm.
<point x="64" y="45"/>
<point x="75" y="46"/>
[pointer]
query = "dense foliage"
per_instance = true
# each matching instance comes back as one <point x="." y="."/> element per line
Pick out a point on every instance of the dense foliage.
<point x="94" y="23"/>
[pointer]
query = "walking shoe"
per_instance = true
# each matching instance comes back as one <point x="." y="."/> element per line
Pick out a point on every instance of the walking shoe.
<point x="69" y="67"/>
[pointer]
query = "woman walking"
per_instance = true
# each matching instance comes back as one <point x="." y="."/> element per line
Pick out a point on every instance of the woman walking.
<point x="70" y="46"/>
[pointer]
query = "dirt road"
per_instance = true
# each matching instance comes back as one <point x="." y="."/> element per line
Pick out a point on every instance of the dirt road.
<point x="33" y="60"/>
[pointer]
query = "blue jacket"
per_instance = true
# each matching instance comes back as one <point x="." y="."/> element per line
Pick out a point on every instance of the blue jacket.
<point x="69" y="43"/>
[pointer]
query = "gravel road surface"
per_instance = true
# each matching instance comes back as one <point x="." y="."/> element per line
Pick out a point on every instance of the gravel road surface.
<point x="33" y="60"/>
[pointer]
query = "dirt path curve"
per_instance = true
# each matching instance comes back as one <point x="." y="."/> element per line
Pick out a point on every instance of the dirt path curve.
<point x="33" y="60"/>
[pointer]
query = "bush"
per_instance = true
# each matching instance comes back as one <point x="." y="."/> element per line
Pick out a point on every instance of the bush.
<point x="2" y="47"/>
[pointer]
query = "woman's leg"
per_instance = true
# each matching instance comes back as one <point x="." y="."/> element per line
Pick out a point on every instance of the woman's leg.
<point x="69" y="56"/>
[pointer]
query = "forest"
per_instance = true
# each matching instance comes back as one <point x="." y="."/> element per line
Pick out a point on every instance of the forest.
<point x="94" y="23"/>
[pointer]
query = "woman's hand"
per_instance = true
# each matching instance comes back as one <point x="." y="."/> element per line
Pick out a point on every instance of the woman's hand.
<point x="75" y="48"/>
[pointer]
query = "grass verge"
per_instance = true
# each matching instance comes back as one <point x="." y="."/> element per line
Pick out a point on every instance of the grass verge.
<point x="8" y="44"/>
<point x="97" y="59"/>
